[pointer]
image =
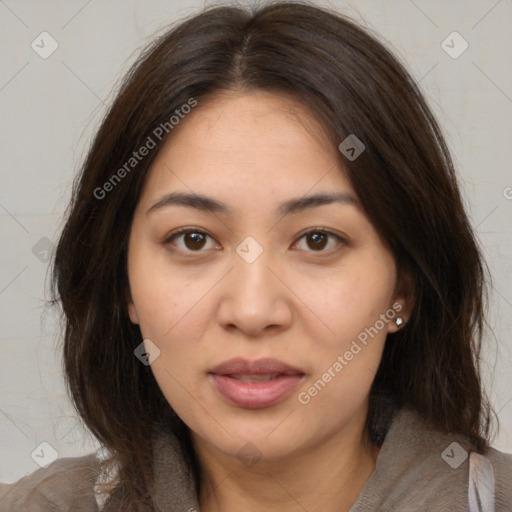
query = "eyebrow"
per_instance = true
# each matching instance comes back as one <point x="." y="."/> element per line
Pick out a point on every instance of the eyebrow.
<point x="295" y="205"/>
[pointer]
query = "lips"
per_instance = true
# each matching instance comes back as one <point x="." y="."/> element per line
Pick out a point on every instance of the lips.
<point x="267" y="366"/>
<point x="254" y="377"/>
<point x="254" y="384"/>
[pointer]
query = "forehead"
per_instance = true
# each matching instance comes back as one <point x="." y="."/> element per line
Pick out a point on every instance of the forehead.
<point x="256" y="111"/>
<point x="256" y="146"/>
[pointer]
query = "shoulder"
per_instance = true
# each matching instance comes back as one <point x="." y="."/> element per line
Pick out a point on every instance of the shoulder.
<point x="67" y="484"/>
<point x="442" y="467"/>
<point x="502" y="466"/>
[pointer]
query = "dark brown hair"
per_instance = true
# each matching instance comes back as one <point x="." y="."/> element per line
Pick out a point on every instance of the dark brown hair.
<point x="405" y="180"/>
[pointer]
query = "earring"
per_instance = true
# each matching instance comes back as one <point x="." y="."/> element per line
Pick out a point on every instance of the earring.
<point x="399" y="321"/>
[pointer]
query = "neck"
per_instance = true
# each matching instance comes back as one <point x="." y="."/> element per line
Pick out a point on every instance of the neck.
<point x="326" y="477"/>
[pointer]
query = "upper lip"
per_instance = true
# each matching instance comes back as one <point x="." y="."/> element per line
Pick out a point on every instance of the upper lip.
<point x="265" y="366"/>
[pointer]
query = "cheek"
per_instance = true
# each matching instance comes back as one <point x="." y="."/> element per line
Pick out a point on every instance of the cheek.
<point x="349" y="340"/>
<point x="344" y="367"/>
<point x="348" y="302"/>
<point x="173" y="313"/>
<point x="164" y="298"/>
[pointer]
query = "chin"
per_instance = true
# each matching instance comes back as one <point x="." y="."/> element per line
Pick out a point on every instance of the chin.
<point x="268" y="440"/>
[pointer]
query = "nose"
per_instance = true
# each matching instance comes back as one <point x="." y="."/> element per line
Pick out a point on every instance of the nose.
<point x="254" y="297"/>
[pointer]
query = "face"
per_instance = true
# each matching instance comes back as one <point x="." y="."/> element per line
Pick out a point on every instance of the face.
<point x="300" y="294"/>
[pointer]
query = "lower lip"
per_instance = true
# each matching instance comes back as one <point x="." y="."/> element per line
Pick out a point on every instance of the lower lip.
<point x="255" y="395"/>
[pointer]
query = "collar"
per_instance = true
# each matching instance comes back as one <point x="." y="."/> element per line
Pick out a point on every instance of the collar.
<point x="418" y="467"/>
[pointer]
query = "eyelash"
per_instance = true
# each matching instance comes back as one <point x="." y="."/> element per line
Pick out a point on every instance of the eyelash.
<point x="322" y="231"/>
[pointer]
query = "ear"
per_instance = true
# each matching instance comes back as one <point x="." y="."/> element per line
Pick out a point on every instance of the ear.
<point x="403" y="302"/>
<point x="132" y="313"/>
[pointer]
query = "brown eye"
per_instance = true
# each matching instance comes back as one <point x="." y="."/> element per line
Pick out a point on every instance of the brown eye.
<point x="318" y="240"/>
<point x="195" y="240"/>
<point x="192" y="240"/>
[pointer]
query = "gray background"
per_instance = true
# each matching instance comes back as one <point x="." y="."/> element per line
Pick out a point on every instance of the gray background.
<point x="51" y="107"/>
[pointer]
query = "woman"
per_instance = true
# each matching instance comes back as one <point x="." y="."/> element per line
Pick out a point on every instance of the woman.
<point x="272" y="293"/>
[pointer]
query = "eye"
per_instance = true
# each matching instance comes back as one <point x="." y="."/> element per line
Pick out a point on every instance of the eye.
<point x="318" y="239"/>
<point x="194" y="240"/>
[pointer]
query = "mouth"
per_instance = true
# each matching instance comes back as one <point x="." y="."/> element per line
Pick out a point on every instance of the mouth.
<point x="254" y="384"/>
<point x="254" y="377"/>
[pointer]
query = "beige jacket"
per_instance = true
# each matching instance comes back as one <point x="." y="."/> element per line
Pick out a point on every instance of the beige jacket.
<point x="417" y="470"/>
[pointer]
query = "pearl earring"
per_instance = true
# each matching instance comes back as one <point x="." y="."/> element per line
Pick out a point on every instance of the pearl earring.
<point x="399" y="321"/>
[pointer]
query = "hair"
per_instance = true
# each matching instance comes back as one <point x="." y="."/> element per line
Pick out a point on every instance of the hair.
<point x="405" y="179"/>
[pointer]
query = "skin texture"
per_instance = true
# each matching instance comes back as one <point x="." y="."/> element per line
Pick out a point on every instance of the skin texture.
<point x="299" y="304"/>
